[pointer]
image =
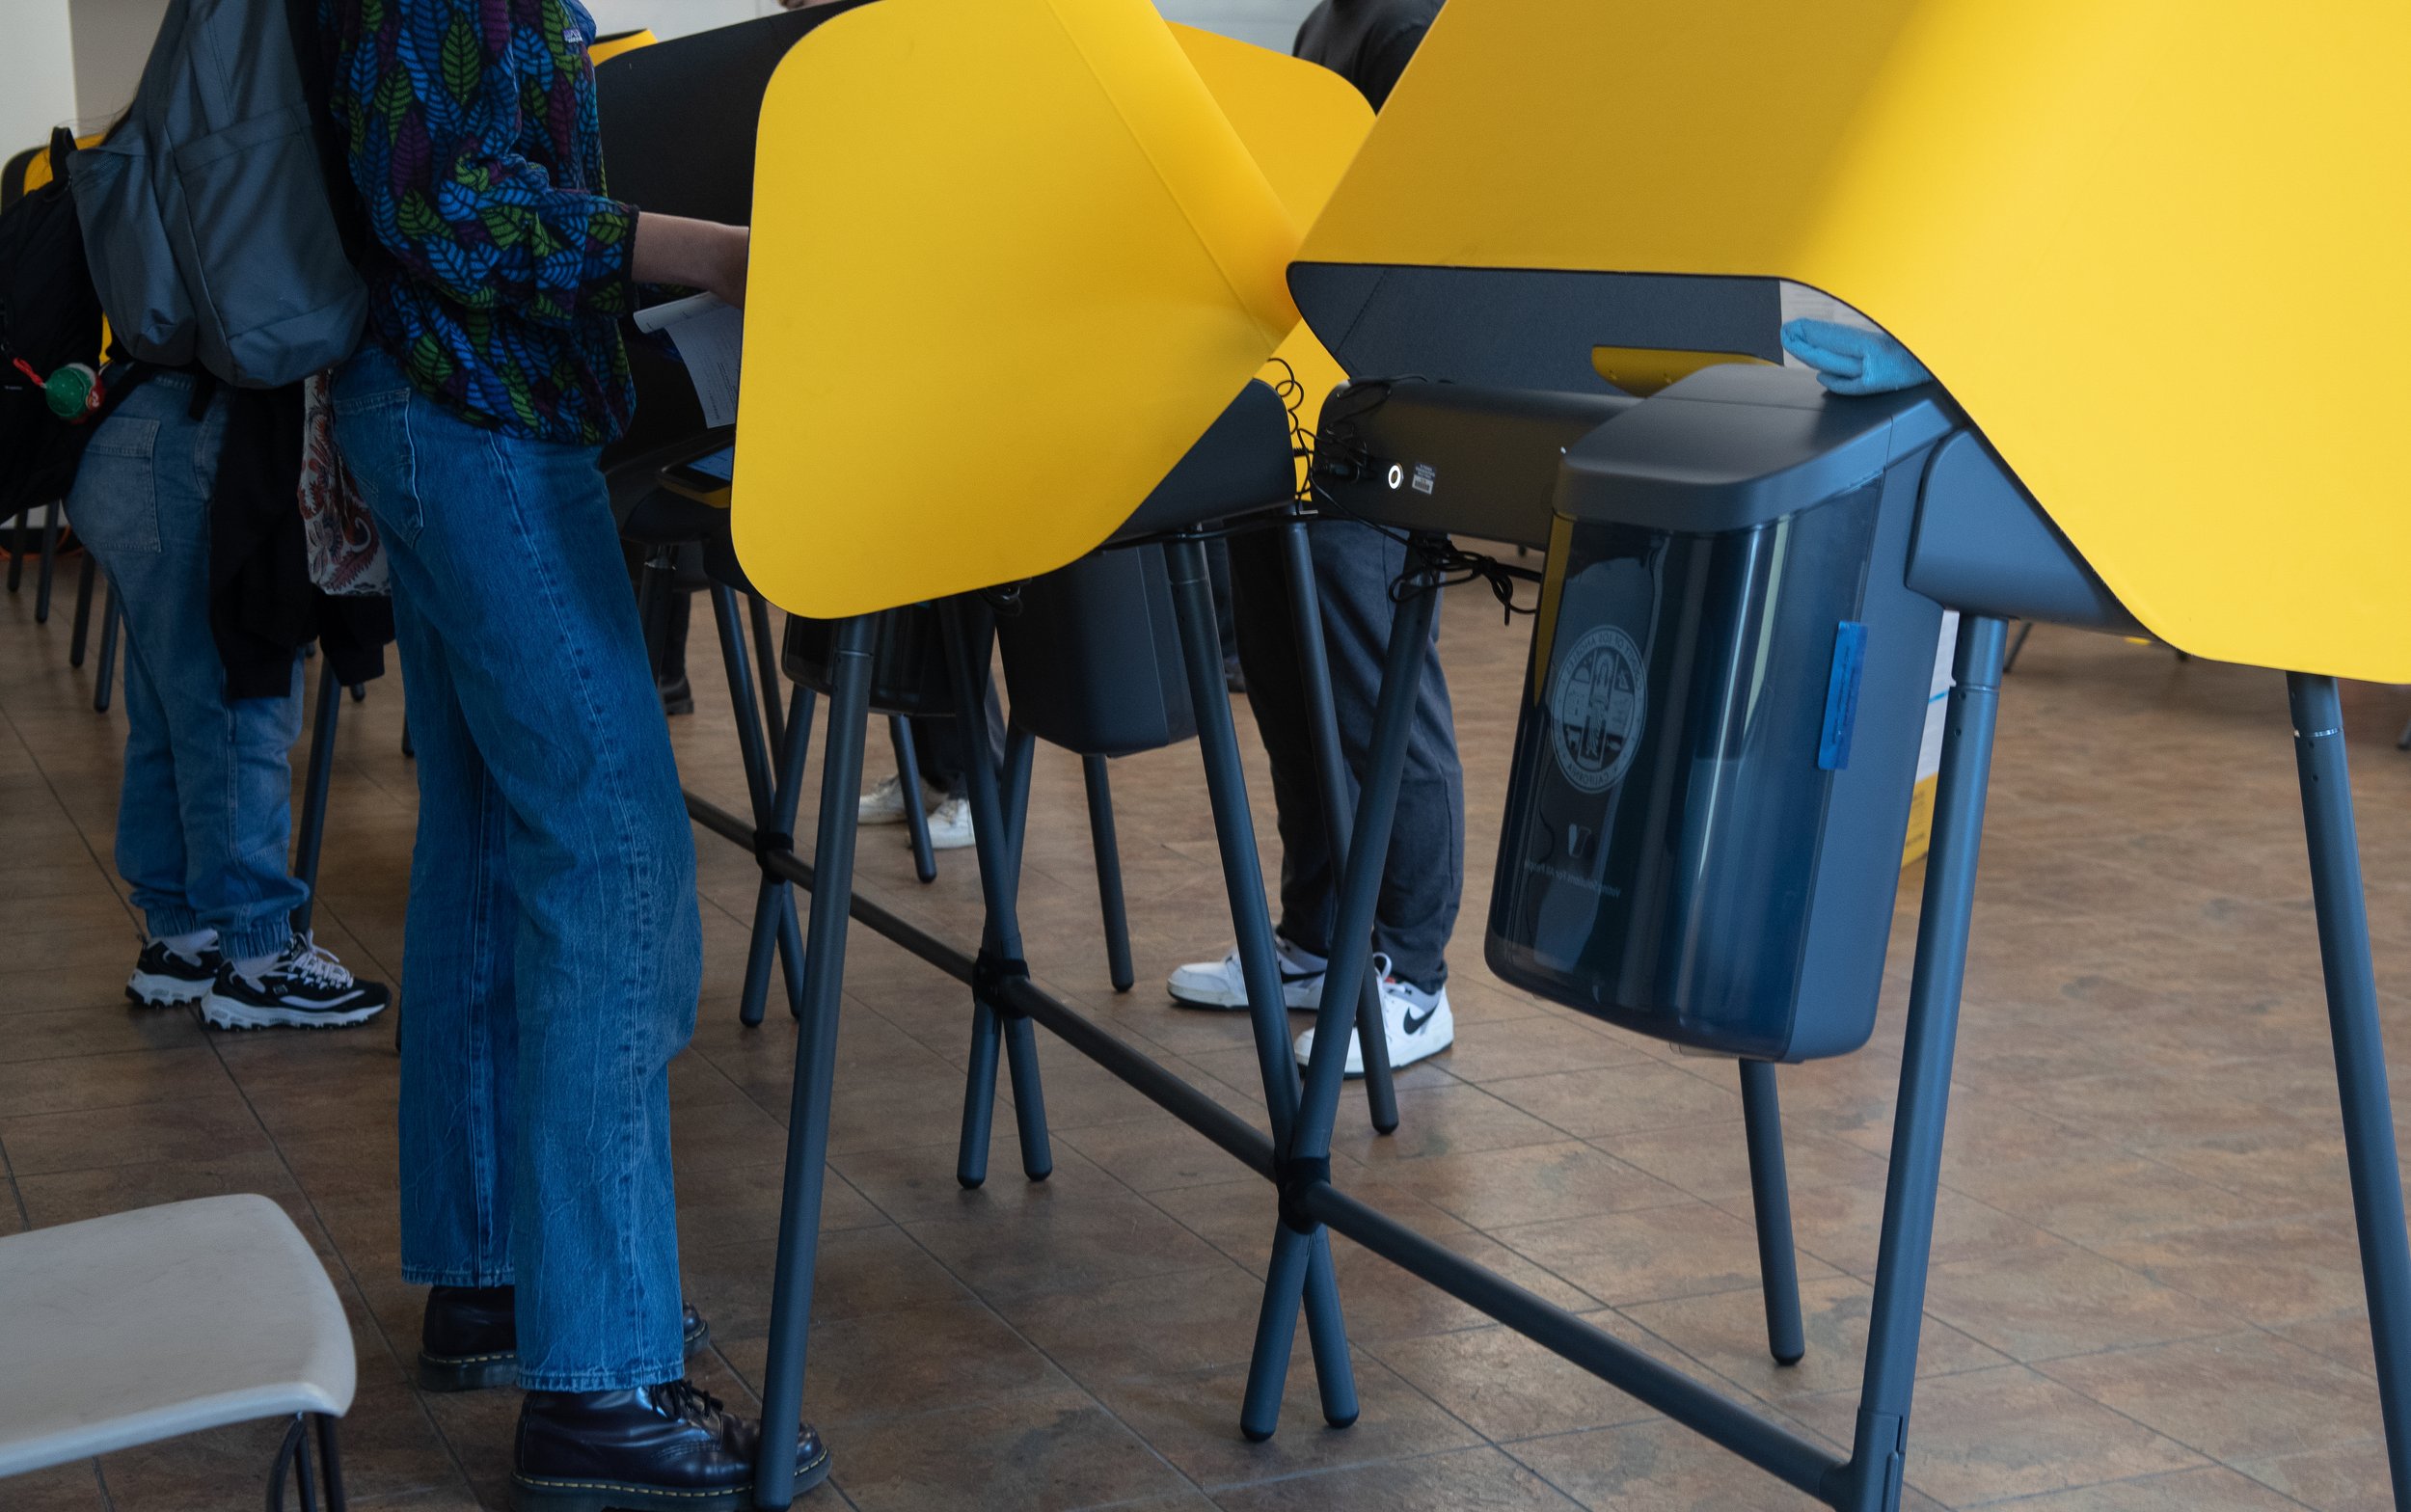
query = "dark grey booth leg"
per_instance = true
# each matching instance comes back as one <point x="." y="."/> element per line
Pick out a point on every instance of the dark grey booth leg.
<point x="998" y="809"/>
<point x="292" y="1463"/>
<point x="111" y="620"/>
<point x="909" y="787"/>
<point x="1770" y="1203"/>
<point x="2352" y="1019"/>
<point x="1331" y="775"/>
<point x="310" y="836"/>
<point x="1870" y="1480"/>
<point x="49" y="564"/>
<point x="1300" y="1271"/>
<point x="84" y="585"/>
<point x="1109" y="849"/>
<point x="816" y="1063"/>
<point x="773" y="930"/>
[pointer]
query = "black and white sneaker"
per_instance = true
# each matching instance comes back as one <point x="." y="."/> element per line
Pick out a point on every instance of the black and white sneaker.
<point x="305" y="987"/>
<point x="1221" y="984"/>
<point x="165" y="977"/>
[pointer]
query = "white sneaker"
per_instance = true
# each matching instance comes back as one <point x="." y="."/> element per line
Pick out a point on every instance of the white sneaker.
<point x="950" y="825"/>
<point x="1418" y="1025"/>
<point x="1221" y="984"/>
<point x="883" y="805"/>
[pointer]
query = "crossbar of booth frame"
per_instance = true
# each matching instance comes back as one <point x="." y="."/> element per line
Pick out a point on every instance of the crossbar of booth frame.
<point x="1782" y="1453"/>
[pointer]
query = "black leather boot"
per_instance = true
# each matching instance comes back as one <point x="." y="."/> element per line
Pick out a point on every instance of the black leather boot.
<point x="656" y="1449"/>
<point x="470" y="1338"/>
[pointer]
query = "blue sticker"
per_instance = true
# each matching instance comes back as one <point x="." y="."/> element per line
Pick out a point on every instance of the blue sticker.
<point x="1841" y="695"/>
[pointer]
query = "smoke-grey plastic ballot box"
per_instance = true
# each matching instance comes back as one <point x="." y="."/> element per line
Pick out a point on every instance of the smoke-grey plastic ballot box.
<point x="1720" y="720"/>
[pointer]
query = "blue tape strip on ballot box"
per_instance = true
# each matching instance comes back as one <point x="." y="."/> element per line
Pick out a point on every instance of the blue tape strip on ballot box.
<point x="1841" y="695"/>
<point x="721" y="463"/>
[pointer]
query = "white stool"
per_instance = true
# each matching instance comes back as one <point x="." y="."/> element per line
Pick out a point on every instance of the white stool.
<point x="142" y="1326"/>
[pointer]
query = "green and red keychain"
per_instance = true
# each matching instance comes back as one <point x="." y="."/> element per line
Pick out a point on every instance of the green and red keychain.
<point x="74" y="393"/>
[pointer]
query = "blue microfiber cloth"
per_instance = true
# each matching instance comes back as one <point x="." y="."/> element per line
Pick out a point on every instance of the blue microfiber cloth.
<point x="1849" y="359"/>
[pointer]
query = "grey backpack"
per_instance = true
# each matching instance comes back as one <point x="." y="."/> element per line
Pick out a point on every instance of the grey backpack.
<point x="206" y="215"/>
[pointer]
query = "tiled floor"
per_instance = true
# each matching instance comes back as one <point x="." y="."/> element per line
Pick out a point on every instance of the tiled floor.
<point x="2145" y="1296"/>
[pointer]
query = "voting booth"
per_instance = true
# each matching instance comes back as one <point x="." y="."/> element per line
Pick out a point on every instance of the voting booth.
<point x="1746" y="575"/>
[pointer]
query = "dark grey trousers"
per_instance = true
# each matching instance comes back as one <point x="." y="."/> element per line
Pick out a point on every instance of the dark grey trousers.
<point x="1423" y="881"/>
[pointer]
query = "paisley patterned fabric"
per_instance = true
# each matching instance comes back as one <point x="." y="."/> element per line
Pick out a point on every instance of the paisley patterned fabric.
<point x="497" y="267"/>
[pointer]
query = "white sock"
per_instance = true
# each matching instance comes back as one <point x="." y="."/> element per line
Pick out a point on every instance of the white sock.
<point x="189" y="946"/>
<point x="254" y="969"/>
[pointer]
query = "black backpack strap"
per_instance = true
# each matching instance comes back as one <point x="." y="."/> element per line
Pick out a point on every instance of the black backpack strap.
<point x="313" y="52"/>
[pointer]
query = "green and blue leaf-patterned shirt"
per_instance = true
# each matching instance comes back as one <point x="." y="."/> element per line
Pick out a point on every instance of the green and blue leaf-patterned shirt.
<point x="497" y="268"/>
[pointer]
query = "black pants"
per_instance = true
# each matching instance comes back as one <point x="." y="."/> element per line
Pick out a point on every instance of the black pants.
<point x="1424" y="882"/>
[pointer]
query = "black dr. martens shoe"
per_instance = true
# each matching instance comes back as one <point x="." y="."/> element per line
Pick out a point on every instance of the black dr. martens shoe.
<point x="470" y="1338"/>
<point x="658" y="1448"/>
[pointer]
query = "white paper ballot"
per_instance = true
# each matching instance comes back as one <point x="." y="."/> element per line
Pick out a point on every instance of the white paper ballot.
<point x="709" y="336"/>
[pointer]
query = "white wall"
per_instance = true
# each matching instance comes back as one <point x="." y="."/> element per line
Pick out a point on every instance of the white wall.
<point x="112" y="39"/>
<point x="37" y="73"/>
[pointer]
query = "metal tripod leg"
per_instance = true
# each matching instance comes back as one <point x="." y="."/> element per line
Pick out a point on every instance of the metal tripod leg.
<point x="1101" y="835"/>
<point x="968" y="630"/>
<point x="1770" y="1203"/>
<point x="2352" y="1022"/>
<point x="759" y="787"/>
<point x="49" y="565"/>
<point x="104" y="676"/>
<point x="1301" y="1267"/>
<point x="775" y="900"/>
<point x="908" y="788"/>
<point x="83" y="582"/>
<point x="765" y="664"/>
<point x="310" y="835"/>
<point x="815" y="1062"/>
<point x="1870" y="1480"/>
<point x="1330" y="771"/>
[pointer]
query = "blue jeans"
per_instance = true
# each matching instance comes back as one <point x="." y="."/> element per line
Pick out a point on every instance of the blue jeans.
<point x="204" y="811"/>
<point x="553" y="949"/>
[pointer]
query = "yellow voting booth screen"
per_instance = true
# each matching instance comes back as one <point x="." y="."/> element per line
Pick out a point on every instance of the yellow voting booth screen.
<point x="2155" y="250"/>
<point x="1011" y="259"/>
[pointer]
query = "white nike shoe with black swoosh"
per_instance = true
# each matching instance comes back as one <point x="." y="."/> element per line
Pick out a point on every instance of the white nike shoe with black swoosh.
<point x="1416" y="1023"/>
<point x="1221" y="984"/>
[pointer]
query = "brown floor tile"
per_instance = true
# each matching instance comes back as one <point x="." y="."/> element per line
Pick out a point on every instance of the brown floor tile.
<point x="1063" y="1245"/>
<point x="1618" y="1100"/>
<point x="62" y="1488"/>
<point x="2347" y="1478"/>
<point x="1656" y="1466"/>
<point x="2187" y="1491"/>
<point x="1193" y="1422"/>
<point x="82" y="1084"/>
<point x="220" y="1122"/>
<point x="1531" y="1183"/>
<point x="1504" y="1387"/>
<point x="1440" y="1483"/>
<point x="1992" y="1435"/>
<point x="1441" y="1120"/>
<point x="1650" y="1253"/>
<point x="1153" y="1325"/>
<point x="1043" y="1450"/>
<point x="2060" y="1300"/>
<point x="2104" y="1198"/>
<point x="2239" y="1397"/>
<point x="1712" y="1160"/>
<point x="2275" y="1273"/>
<point x="1383" y="1303"/>
<point x="860" y="1271"/>
<point x="1727" y="1332"/>
<point x="1519" y="1047"/>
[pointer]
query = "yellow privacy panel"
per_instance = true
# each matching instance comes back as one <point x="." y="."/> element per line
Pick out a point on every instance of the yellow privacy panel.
<point x="1302" y="123"/>
<point x="605" y="48"/>
<point x="1010" y="262"/>
<point x="2157" y="250"/>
